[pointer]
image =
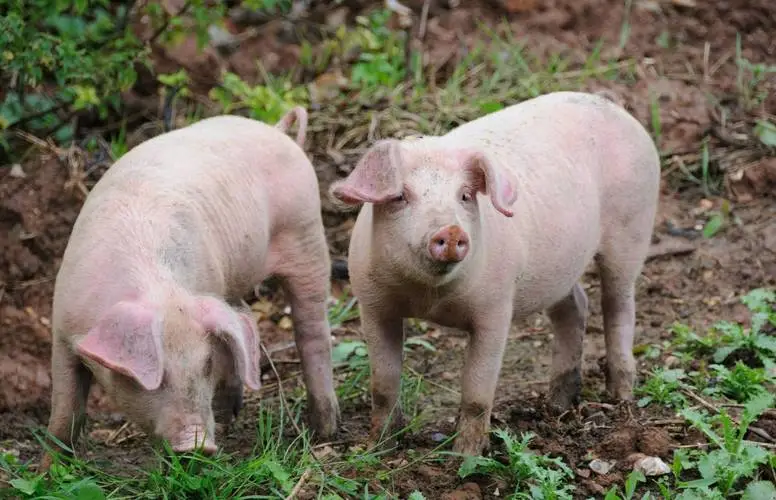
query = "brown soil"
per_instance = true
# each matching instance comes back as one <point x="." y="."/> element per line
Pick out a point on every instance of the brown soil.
<point x="699" y="288"/>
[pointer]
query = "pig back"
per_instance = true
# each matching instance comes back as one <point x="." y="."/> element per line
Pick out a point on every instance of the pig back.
<point x="195" y="208"/>
<point x="583" y="165"/>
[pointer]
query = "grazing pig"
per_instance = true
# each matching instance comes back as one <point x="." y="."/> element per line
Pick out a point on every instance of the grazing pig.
<point x="494" y="221"/>
<point x="148" y="297"/>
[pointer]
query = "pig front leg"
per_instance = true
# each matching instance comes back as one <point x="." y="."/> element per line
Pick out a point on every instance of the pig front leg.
<point x="70" y="384"/>
<point x="569" y="320"/>
<point x="480" y="377"/>
<point x="384" y="339"/>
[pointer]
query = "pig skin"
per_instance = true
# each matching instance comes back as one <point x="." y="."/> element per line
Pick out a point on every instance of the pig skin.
<point x="541" y="188"/>
<point x="166" y="245"/>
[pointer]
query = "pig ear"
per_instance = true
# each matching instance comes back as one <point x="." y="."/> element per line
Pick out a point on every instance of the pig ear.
<point x="497" y="183"/>
<point x="375" y="179"/>
<point x="240" y="333"/>
<point x="128" y="340"/>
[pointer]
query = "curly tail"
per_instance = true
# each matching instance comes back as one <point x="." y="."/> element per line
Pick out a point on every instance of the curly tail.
<point x="299" y="115"/>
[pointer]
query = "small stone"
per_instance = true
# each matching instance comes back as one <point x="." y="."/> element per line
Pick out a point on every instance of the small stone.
<point x="652" y="466"/>
<point x="323" y="452"/>
<point x="601" y="466"/>
<point x="671" y="362"/>
<point x="285" y="323"/>
<point x="222" y="39"/>
<point x="583" y="473"/>
<point x="337" y="17"/>
<point x="438" y="437"/>
<point x="100" y="435"/>
<point x="428" y="471"/>
<point x="17" y="171"/>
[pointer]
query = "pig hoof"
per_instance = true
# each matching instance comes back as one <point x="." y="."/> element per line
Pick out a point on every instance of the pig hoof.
<point x="384" y="430"/>
<point x="324" y="418"/>
<point x="565" y="391"/>
<point x="471" y="445"/>
<point x="621" y="392"/>
<point x="619" y="384"/>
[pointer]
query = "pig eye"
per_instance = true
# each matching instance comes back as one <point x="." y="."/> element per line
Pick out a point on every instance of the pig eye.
<point x="400" y="199"/>
<point x="466" y="196"/>
<point x="209" y="365"/>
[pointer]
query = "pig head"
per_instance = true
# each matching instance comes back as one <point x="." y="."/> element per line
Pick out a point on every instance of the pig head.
<point x="428" y="195"/>
<point x="165" y="366"/>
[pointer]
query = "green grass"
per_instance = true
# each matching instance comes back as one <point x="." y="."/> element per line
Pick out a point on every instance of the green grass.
<point x="713" y="372"/>
<point x="731" y="465"/>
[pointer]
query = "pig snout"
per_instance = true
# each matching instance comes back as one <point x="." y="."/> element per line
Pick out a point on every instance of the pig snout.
<point x="188" y="434"/>
<point x="194" y="439"/>
<point x="449" y="245"/>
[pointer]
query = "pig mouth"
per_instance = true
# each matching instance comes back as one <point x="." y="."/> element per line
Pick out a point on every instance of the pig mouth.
<point x="194" y="441"/>
<point x="437" y="268"/>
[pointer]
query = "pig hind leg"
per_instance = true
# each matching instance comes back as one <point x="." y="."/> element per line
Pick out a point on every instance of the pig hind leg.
<point x="70" y="386"/>
<point x="305" y="282"/>
<point x="569" y="320"/>
<point x="620" y="261"/>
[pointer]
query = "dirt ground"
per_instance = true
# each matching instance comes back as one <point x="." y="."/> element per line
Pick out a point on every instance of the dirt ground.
<point x="685" y="56"/>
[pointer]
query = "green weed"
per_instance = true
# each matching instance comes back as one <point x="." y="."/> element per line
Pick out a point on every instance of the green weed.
<point x="749" y="78"/>
<point x="631" y="482"/>
<point x="741" y="384"/>
<point x="733" y="458"/>
<point x="533" y="476"/>
<point x="267" y="103"/>
<point x="725" y="338"/>
<point x="663" y="387"/>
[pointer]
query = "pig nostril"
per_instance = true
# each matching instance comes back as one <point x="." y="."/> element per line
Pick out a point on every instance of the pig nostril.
<point x="441" y="243"/>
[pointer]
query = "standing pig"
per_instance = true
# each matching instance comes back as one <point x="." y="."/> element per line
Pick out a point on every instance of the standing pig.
<point x="147" y="299"/>
<point x="497" y="220"/>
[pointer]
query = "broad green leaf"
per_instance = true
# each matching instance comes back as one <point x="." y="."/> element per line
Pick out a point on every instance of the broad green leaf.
<point x="420" y="342"/>
<point x="490" y="106"/>
<point x="280" y="474"/>
<point x="90" y="491"/>
<point x="766" y="342"/>
<point x="760" y="490"/>
<point x="713" y="225"/>
<point x="759" y="299"/>
<point x="345" y="349"/>
<point x="756" y="406"/>
<point x="26" y="486"/>
<point x="723" y="352"/>
<point x="766" y="132"/>
<point x="699" y="421"/>
<point x="474" y="464"/>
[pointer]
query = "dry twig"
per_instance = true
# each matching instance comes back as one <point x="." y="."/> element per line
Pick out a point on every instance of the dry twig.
<point x="754" y="430"/>
<point x="281" y="392"/>
<point x="299" y="484"/>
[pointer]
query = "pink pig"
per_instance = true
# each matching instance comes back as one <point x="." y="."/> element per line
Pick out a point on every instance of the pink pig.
<point x="494" y="221"/>
<point x="148" y="297"/>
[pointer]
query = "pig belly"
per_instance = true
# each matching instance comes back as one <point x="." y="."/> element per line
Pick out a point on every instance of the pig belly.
<point x="548" y="276"/>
